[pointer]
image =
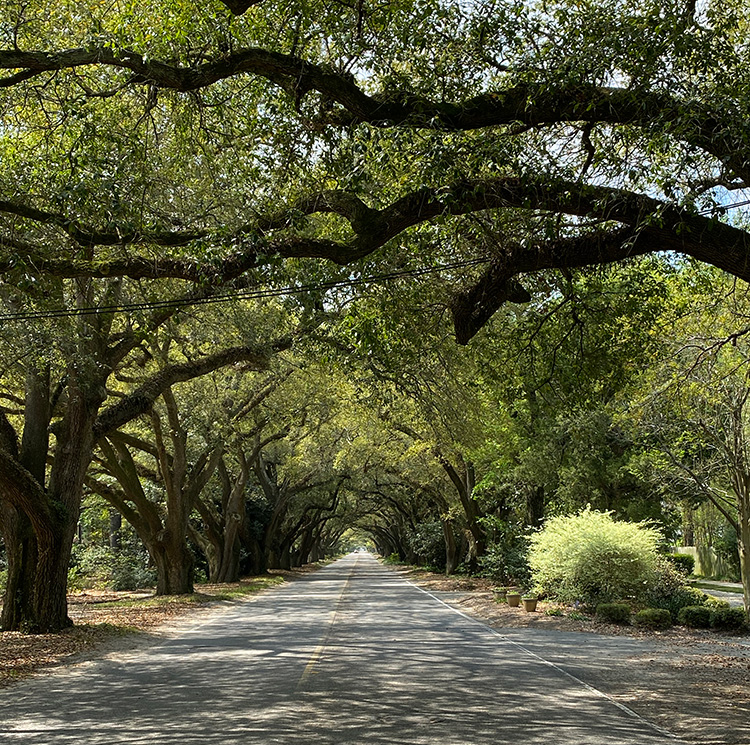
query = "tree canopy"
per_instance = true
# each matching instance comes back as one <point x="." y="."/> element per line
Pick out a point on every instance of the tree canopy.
<point x="166" y="140"/>
<point x="322" y="192"/>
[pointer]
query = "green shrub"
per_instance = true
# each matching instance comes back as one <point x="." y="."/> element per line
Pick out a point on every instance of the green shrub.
<point x="695" y="616"/>
<point x="393" y="559"/>
<point x="613" y="612"/>
<point x="667" y="589"/>
<point x="716" y="603"/>
<point x="729" y="619"/>
<point x="428" y="544"/>
<point x="653" y="618"/>
<point x="132" y="573"/>
<point x="90" y="566"/>
<point x="725" y="545"/>
<point x="505" y="556"/>
<point x="100" y="566"/>
<point x="592" y="558"/>
<point x="684" y="562"/>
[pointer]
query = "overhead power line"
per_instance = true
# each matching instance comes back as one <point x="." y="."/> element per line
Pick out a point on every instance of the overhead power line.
<point x="723" y="207"/>
<point x="250" y="294"/>
<point x="269" y="292"/>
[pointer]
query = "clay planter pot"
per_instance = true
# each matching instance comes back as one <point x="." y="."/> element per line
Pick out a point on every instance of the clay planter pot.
<point x="499" y="593"/>
<point x="529" y="604"/>
<point x="513" y="599"/>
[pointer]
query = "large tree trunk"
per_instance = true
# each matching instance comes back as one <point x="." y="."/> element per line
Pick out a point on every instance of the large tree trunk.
<point x="451" y="550"/>
<point x="464" y="483"/>
<point x="36" y="596"/>
<point x="285" y="557"/>
<point x="51" y="581"/>
<point x="21" y="555"/>
<point x="212" y="550"/>
<point x="234" y="526"/>
<point x="72" y="458"/>
<point x="257" y="564"/>
<point x="535" y="506"/>
<point x="302" y="553"/>
<point x="315" y="553"/>
<point x="229" y="567"/>
<point x="743" y="542"/>
<point x="174" y="565"/>
<point x="115" y="528"/>
<point x="36" y="593"/>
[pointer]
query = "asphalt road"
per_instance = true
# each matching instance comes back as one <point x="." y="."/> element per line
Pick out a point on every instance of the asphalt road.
<point x="352" y="654"/>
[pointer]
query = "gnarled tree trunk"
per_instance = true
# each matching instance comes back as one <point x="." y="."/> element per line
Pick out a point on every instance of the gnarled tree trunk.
<point x="175" y="565"/>
<point x="36" y="595"/>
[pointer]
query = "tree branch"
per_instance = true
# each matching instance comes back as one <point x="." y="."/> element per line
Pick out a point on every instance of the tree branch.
<point x="140" y="401"/>
<point x="529" y="103"/>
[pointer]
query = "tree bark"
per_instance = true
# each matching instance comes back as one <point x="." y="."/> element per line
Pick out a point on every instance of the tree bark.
<point x="174" y="565"/>
<point x="115" y="526"/>
<point x="464" y="483"/>
<point x="234" y="525"/>
<point x="21" y="556"/>
<point x="743" y="541"/>
<point x="36" y="600"/>
<point x="451" y="550"/>
<point x="534" y="506"/>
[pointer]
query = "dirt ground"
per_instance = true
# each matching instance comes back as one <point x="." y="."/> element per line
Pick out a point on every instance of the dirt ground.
<point x="696" y="684"/>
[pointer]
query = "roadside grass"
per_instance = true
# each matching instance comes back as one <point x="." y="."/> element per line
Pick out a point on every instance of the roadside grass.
<point x="247" y="587"/>
<point x="707" y="584"/>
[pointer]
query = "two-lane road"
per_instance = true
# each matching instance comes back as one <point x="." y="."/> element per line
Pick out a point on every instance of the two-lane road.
<point x="350" y="654"/>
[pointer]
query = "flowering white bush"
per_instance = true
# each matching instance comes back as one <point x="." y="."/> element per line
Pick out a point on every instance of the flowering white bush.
<point x="593" y="558"/>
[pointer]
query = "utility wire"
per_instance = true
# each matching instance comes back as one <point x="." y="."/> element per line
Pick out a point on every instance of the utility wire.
<point x="723" y="207"/>
<point x="249" y="294"/>
<point x="258" y="294"/>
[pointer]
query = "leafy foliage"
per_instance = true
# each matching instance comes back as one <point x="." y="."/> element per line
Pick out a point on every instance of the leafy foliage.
<point x="694" y="616"/>
<point x="505" y="559"/>
<point x="667" y="589"/>
<point x="684" y="562"/>
<point x="592" y="558"/>
<point x="101" y="567"/>
<point x="613" y="612"/>
<point x="716" y="603"/>
<point x="729" y="619"/>
<point x="427" y="543"/>
<point x="475" y="157"/>
<point x="657" y="619"/>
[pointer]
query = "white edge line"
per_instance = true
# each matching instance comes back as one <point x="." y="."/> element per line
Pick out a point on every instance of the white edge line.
<point x="587" y="686"/>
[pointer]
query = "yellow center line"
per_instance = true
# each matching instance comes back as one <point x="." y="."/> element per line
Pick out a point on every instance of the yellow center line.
<point x="318" y="651"/>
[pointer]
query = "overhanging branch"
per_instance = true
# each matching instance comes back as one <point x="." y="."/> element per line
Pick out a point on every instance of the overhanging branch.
<point x="530" y="103"/>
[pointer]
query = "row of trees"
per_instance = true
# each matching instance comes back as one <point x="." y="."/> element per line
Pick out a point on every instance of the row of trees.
<point x="611" y="392"/>
<point x="614" y="393"/>
<point x="347" y="181"/>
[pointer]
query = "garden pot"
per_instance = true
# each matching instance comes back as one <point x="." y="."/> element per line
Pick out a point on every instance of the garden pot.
<point x="499" y="593"/>
<point x="529" y="604"/>
<point x="514" y="599"/>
